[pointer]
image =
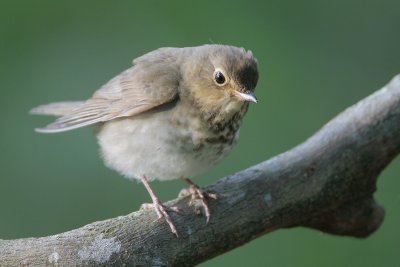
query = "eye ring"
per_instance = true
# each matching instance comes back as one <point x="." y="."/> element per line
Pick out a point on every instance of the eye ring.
<point x="219" y="77"/>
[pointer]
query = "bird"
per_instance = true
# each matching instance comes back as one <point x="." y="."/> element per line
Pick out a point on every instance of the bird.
<point x="172" y="115"/>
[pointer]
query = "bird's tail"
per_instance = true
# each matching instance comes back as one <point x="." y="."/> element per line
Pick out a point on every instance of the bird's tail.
<point x="57" y="109"/>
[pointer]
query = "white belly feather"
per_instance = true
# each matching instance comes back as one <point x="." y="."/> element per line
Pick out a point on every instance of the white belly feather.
<point x="151" y="145"/>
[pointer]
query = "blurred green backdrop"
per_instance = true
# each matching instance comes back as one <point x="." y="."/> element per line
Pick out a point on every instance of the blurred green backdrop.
<point x="315" y="57"/>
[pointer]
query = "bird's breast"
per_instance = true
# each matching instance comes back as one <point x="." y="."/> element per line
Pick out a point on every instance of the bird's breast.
<point x="168" y="144"/>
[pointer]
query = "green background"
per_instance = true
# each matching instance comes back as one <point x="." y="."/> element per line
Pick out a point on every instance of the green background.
<point x="316" y="58"/>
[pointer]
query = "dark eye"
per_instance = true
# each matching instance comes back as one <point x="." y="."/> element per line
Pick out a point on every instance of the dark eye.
<point x="219" y="77"/>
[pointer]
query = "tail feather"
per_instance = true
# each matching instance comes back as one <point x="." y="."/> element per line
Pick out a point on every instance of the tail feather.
<point x="57" y="109"/>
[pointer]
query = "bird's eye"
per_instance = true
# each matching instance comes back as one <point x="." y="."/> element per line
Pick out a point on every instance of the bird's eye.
<point x="219" y="77"/>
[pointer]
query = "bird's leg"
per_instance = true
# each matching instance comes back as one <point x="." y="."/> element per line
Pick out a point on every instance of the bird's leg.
<point x="159" y="207"/>
<point x="198" y="194"/>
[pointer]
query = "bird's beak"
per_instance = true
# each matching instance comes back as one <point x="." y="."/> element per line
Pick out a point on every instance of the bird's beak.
<point x="248" y="96"/>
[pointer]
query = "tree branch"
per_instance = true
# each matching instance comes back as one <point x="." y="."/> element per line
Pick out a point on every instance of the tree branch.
<point x="325" y="183"/>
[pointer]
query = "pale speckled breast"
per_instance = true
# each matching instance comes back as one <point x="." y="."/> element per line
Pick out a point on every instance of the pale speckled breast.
<point x="166" y="143"/>
<point x="206" y="141"/>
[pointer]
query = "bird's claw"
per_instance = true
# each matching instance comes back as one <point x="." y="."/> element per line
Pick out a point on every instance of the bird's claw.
<point x="199" y="198"/>
<point x="162" y="212"/>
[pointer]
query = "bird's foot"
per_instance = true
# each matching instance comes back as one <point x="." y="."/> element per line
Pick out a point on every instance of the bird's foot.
<point x="199" y="198"/>
<point x="162" y="212"/>
<point x="161" y="209"/>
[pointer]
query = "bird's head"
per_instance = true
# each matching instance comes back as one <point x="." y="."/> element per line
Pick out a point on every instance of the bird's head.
<point x="220" y="78"/>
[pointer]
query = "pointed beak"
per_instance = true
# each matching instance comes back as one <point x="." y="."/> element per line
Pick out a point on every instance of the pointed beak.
<point x="248" y="96"/>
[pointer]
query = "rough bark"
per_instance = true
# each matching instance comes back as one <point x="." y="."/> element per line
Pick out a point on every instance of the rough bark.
<point x="326" y="183"/>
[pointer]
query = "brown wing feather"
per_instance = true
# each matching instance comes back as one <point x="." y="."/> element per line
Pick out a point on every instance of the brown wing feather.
<point x="56" y="109"/>
<point x="140" y="88"/>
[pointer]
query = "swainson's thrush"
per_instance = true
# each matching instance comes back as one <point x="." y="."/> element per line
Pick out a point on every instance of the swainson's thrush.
<point x="173" y="114"/>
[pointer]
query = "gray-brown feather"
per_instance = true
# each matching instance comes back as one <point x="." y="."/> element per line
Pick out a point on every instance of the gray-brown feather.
<point x="148" y="84"/>
<point x="57" y="109"/>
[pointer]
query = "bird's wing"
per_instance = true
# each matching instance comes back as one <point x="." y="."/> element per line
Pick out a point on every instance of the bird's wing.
<point x="138" y="89"/>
